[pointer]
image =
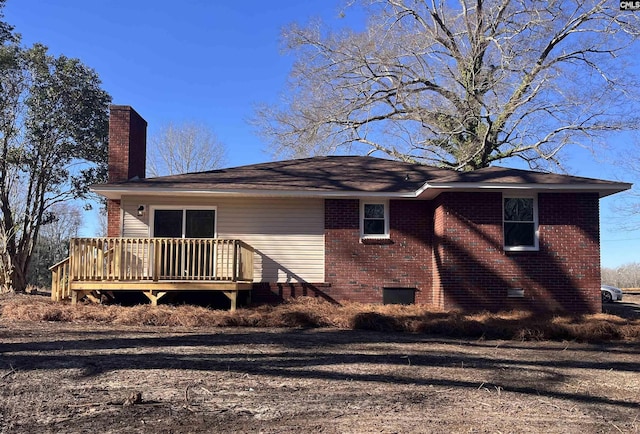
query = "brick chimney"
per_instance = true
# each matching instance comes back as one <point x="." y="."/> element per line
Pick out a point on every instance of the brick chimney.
<point x="127" y="156"/>
<point x="127" y="143"/>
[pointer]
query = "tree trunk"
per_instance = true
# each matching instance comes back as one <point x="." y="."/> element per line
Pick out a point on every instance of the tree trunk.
<point x="18" y="265"/>
<point x="18" y="282"/>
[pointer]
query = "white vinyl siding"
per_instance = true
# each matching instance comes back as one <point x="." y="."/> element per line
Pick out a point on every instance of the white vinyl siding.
<point x="135" y="226"/>
<point x="287" y="234"/>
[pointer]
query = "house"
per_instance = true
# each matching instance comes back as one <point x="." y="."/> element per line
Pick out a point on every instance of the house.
<point x="367" y="229"/>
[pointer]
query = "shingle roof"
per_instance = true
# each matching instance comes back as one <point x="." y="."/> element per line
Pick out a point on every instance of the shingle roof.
<point x="350" y="174"/>
<point x="504" y="175"/>
<point x="336" y="173"/>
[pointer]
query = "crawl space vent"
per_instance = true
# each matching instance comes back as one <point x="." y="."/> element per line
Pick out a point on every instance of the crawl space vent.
<point x="398" y="295"/>
<point x="515" y="293"/>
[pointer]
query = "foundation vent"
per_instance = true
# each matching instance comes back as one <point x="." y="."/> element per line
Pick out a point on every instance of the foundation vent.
<point x="515" y="293"/>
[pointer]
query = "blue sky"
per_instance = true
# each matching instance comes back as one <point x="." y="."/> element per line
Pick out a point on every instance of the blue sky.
<point x="213" y="61"/>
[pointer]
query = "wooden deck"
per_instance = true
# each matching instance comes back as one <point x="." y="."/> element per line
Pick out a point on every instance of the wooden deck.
<point x="153" y="266"/>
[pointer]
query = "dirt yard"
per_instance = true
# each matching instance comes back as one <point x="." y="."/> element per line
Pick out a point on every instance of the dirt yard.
<point x="76" y="378"/>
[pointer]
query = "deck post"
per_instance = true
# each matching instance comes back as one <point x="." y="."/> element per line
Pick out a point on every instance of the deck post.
<point x="235" y="260"/>
<point x="73" y="260"/>
<point x="55" y="285"/>
<point x="156" y="259"/>
<point x="100" y="259"/>
<point x="233" y="297"/>
<point x="154" y="296"/>
<point x="79" y="294"/>
<point x="117" y="251"/>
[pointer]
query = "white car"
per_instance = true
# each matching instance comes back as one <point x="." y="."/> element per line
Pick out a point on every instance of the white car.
<point x="610" y="293"/>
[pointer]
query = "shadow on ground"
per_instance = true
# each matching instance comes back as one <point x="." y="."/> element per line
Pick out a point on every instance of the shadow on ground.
<point x="628" y="308"/>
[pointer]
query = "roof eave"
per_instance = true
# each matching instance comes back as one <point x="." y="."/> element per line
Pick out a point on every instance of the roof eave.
<point x="603" y="190"/>
<point x="116" y="193"/>
<point x="427" y="191"/>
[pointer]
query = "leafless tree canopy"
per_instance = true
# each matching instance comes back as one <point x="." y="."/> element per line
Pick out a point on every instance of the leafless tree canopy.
<point x="627" y="205"/>
<point x="184" y="148"/>
<point x="53" y="242"/>
<point x="624" y="276"/>
<point x="459" y="85"/>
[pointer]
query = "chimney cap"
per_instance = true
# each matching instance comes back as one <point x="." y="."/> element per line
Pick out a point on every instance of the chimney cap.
<point x="128" y="108"/>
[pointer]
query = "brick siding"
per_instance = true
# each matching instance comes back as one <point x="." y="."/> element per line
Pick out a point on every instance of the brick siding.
<point x="272" y="292"/>
<point x="114" y="217"/>
<point x="127" y="155"/>
<point x="451" y="250"/>
<point x="358" y="271"/>
<point x="473" y="272"/>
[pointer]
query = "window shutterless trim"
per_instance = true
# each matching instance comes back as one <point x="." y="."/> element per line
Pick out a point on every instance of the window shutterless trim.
<point x="184" y="209"/>
<point x="536" y="232"/>
<point x="385" y="204"/>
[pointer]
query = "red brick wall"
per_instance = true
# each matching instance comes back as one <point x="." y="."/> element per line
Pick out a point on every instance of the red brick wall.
<point x="451" y="251"/>
<point x="358" y="271"/>
<point x="127" y="155"/>
<point x="272" y="292"/>
<point x="114" y="217"/>
<point x="127" y="144"/>
<point x="473" y="272"/>
<point x="570" y="237"/>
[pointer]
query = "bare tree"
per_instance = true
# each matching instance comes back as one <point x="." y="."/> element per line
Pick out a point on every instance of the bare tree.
<point x="102" y="226"/>
<point x="184" y="148"/>
<point x="624" y="276"/>
<point x="53" y="241"/>
<point x="627" y="204"/>
<point x="459" y="85"/>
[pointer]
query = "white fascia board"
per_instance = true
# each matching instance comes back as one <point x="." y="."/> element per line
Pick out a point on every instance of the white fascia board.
<point x="117" y="193"/>
<point x="602" y="189"/>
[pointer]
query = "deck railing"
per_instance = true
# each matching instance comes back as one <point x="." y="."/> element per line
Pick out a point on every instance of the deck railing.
<point x="153" y="260"/>
<point x="60" y="288"/>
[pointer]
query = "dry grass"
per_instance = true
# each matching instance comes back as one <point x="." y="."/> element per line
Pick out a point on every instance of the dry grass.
<point x="307" y="312"/>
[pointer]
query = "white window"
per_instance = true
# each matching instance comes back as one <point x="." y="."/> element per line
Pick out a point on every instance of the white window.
<point x="374" y="219"/>
<point x="520" y="222"/>
<point x="184" y="222"/>
<point x="179" y="261"/>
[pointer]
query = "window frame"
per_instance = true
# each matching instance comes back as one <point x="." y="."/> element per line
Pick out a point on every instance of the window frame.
<point x="385" y="204"/>
<point x="184" y="209"/>
<point x="536" y="231"/>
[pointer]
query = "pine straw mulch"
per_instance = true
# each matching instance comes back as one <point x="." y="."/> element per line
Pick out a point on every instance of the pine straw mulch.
<point x="307" y="312"/>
